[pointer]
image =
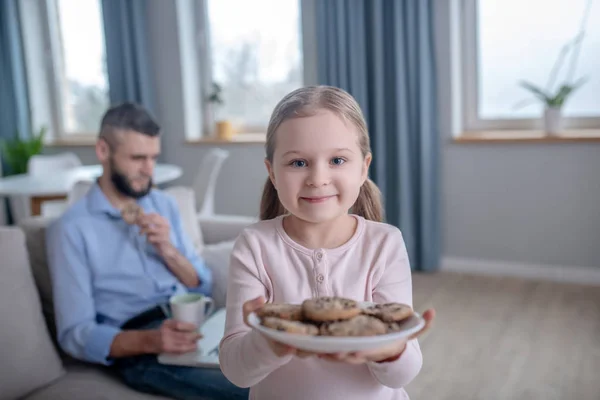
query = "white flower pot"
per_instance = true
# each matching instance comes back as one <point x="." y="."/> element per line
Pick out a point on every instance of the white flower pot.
<point x="553" y="120"/>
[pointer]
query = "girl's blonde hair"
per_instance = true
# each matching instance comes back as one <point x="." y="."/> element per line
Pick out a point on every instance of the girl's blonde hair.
<point x="305" y="102"/>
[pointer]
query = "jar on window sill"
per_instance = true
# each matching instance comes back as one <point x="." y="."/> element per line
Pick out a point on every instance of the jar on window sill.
<point x="224" y="130"/>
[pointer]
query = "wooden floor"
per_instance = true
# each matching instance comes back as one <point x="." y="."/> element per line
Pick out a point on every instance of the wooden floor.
<point x="507" y="338"/>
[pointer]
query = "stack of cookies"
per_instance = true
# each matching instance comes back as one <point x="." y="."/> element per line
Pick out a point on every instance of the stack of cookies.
<point x="334" y="316"/>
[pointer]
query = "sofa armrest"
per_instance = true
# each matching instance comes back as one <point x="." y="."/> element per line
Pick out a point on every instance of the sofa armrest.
<point x="221" y="228"/>
<point x="217" y="257"/>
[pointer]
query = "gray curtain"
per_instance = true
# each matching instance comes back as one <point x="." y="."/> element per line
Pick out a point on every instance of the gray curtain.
<point x="14" y="103"/>
<point x="127" y="52"/>
<point x="381" y="51"/>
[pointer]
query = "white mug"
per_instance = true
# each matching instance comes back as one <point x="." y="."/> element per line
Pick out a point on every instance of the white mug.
<point x="191" y="307"/>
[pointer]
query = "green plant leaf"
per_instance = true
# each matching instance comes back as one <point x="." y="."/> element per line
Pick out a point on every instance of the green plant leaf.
<point x="559" y="99"/>
<point x="216" y="95"/>
<point x="17" y="152"/>
<point x="535" y="90"/>
<point x="578" y="83"/>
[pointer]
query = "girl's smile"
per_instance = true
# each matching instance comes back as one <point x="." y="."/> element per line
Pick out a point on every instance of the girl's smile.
<point x="317" y="200"/>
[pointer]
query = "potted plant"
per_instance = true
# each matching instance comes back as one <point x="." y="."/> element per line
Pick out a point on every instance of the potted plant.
<point x="555" y="95"/>
<point x="553" y="102"/>
<point x="224" y="128"/>
<point x="17" y="152"/>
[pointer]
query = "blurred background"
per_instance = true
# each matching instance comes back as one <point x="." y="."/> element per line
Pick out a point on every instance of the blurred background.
<point x="484" y="117"/>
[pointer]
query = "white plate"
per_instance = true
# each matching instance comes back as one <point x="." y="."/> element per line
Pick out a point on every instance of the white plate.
<point x="330" y="344"/>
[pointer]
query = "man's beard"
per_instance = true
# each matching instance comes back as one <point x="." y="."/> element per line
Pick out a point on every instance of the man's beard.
<point x="121" y="183"/>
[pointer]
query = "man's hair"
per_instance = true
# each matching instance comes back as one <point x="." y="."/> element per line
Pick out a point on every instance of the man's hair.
<point x="127" y="117"/>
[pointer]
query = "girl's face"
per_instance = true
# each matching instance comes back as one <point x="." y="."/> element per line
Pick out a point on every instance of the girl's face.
<point x="318" y="167"/>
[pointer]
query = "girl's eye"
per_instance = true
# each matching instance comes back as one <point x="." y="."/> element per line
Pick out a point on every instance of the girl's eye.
<point x="298" y="163"/>
<point x="338" y="161"/>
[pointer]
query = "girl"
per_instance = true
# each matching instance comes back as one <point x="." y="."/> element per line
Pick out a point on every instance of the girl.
<point x="309" y="245"/>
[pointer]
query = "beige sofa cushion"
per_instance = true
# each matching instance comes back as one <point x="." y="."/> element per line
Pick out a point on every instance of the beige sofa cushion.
<point x="35" y="238"/>
<point x="89" y="382"/>
<point x="186" y="203"/>
<point x="28" y="360"/>
<point x="216" y="256"/>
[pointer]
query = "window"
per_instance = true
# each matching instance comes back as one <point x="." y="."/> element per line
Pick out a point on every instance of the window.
<point x="255" y="52"/>
<point x="509" y="41"/>
<point x="80" y="65"/>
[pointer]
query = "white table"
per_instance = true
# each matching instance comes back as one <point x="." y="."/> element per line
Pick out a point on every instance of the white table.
<point x="56" y="184"/>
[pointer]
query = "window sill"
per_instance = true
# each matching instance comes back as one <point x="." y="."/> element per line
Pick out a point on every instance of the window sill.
<point x="580" y="135"/>
<point x="241" y="138"/>
<point x="75" y="141"/>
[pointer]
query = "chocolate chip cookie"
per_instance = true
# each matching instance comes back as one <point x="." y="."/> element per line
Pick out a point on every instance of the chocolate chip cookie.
<point x="393" y="327"/>
<point x="290" y="312"/>
<point x="325" y="309"/>
<point x="283" y="325"/>
<point x="361" y="325"/>
<point x="131" y="212"/>
<point x="389" y="312"/>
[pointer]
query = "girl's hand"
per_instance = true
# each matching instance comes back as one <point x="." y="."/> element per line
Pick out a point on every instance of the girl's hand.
<point x="390" y="352"/>
<point x="279" y="349"/>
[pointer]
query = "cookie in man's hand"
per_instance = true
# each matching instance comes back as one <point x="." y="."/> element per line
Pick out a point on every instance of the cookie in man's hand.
<point x="131" y="212"/>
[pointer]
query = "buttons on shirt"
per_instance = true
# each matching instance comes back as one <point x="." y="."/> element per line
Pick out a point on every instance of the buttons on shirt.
<point x="319" y="255"/>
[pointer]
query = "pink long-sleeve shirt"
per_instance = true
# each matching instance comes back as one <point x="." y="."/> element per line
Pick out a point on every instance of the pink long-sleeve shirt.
<point x="372" y="266"/>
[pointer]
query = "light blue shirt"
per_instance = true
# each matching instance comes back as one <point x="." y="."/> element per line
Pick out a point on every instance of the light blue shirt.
<point x="104" y="272"/>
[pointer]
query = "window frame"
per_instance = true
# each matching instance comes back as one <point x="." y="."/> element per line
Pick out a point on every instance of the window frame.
<point x="41" y="34"/>
<point x="44" y="89"/>
<point x="471" y="122"/>
<point x="306" y="10"/>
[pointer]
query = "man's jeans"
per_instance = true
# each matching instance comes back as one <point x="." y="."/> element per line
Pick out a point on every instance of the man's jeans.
<point x="146" y="374"/>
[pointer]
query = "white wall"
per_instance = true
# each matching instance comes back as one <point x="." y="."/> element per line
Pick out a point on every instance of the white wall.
<point x="526" y="203"/>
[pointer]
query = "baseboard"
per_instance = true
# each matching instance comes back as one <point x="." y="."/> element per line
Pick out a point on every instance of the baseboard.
<point x="557" y="273"/>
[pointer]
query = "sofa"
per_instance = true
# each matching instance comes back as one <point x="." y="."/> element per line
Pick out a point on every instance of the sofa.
<point x="33" y="366"/>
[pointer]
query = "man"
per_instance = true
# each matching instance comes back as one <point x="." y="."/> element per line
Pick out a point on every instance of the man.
<point x="112" y="279"/>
